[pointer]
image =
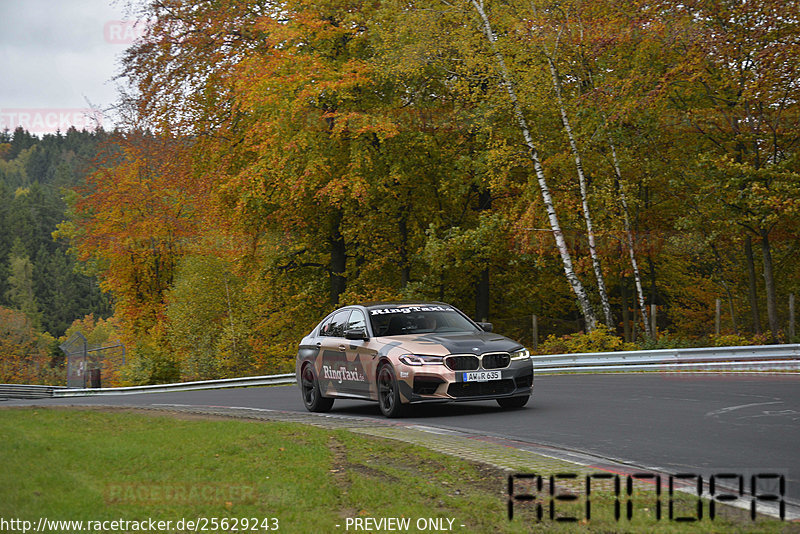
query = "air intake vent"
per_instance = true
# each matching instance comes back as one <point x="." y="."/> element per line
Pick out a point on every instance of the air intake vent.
<point x="496" y="360"/>
<point x="465" y="362"/>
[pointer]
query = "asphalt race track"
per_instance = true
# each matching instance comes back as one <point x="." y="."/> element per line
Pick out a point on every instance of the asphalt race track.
<point x="676" y="423"/>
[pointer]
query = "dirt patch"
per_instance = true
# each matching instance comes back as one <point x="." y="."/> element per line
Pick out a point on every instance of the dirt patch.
<point x="339" y="470"/>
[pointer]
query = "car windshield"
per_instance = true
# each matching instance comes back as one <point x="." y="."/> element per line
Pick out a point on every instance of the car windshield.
<point x="402" y="320"/>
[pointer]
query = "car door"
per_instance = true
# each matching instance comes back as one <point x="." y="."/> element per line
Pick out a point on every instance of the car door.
<point x="362" y="354"/>
<point x="340" y="370"/>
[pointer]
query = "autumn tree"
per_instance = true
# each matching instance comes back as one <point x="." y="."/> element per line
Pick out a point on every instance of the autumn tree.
<point x="25" y="354"/>
<point x="311" y="154"/>
<point x="131" y="223"/>
<point x="210" y="319"/>
<point x="739" y="96"/>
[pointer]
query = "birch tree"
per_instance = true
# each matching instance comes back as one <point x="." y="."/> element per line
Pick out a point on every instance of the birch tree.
<point x="587" y="217"/>
<point x="533" y="154"/>
<point x="626" y="218"/>
<point x="597" y="41"/>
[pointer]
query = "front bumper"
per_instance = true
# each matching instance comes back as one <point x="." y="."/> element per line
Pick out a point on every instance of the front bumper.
<point x="423" y="384"/>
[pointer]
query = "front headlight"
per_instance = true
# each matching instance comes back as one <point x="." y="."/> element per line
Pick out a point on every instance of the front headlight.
<point x="521" y="354"/>
<point x="418" y="359"/>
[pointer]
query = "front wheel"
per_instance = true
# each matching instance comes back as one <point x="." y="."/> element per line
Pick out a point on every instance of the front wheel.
<point x="312" y="397"/>
<point x="389" y="392"/>
<point x="513" y="402"/>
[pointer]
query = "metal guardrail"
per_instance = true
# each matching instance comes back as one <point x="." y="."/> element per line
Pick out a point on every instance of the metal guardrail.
<point x="712" y="359"/>
<point x="22" y="391"/>
<point x="716" y="359"/>
<point x="268" y="380"/>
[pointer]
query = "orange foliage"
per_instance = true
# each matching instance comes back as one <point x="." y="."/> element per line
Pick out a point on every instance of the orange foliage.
<point x="133" y="220"/>
<point x="24" y="353"/>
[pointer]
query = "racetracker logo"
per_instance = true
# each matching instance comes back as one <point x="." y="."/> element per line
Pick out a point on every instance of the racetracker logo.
<point x="50" y="120"/>
<point x="124" y="32"/>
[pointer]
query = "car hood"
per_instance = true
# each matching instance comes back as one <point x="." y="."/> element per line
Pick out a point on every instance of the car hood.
<point x="454" y="343"/>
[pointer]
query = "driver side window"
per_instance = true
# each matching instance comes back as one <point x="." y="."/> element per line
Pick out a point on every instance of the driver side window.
<point x="357" y="321"/>
<point x="335" y="327"/>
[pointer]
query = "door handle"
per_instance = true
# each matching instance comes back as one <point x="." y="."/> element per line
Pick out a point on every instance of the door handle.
<point x="342" y="348"/>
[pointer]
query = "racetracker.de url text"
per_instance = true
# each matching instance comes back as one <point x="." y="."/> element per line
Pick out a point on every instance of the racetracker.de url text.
<point x="198" y="524"/>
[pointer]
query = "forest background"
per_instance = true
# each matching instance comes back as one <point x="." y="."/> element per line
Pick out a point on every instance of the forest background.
<point x="586" y="162"/>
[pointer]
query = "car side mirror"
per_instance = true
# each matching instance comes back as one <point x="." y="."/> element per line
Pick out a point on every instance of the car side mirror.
<point x="486" y="327"/>
<point x="356" y="333"/>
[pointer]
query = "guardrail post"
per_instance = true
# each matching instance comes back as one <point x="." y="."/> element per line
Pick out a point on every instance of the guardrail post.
<point x="94" y="378"/>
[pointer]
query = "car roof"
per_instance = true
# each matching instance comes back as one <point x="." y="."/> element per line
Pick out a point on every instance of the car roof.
<point x="403" y="303"/>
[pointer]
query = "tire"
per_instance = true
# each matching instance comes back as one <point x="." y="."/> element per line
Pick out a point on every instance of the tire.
<point x="312" y="397"/>
<point x="513" y="402"/>
<point x="389" y="392"/>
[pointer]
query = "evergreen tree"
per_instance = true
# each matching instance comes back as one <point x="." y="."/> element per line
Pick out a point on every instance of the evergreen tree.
<point x="34" y="174"/>
<point x="20" y="284"/>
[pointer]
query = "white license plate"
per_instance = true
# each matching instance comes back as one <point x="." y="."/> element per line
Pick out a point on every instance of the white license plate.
<point x="482" y="376"/>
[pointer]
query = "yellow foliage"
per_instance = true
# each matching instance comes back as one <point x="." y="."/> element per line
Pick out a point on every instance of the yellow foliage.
<point x="599" y="340"/>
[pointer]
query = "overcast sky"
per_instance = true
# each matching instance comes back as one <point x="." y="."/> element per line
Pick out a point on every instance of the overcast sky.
<point x="58" y="57"/>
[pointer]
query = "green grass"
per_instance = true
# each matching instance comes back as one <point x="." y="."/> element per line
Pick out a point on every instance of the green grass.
<point x="100" y="466"/>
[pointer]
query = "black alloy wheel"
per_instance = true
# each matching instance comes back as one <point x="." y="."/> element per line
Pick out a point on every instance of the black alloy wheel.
<point x="312" y="397"/>
<point x="389" y="392"/>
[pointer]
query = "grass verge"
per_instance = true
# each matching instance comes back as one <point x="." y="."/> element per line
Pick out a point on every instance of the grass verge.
<point x="100" y="466"/>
